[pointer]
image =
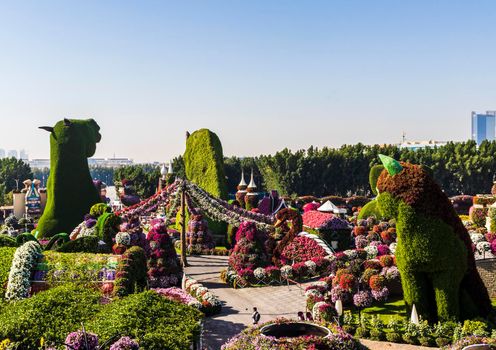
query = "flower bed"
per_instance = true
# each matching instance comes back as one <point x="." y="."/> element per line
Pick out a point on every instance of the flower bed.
<point x="23" y="263"/>
<point x="253" y="339"/>
<point x="210" y="304"/>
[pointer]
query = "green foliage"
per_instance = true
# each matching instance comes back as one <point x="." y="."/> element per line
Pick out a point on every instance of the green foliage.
<point x="70" y="189"/>
<point x="107" y="226"/>
<point x="475" y="327"/>
<point x="204" y="164"/>
<point x="88" y="244"/>
<point x="7" y="241"/>
<point x="144" y="176"/>
<point x="131" y="272"/>
<point x="6" y="256"/>
<point x="375" y="171"/>
<point x="51" y="314"/>
<point x="99" y="208"/>
<point x="12" y="169"/>
<point x="155" y="322"/>
<point x="370" y="209"/>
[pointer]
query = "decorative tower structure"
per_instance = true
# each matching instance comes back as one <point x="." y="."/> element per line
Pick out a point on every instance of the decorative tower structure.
<point x="251" y="198"/>
<point x="241" y="194"/>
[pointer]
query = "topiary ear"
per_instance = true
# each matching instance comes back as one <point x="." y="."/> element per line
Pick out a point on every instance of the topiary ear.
<point x="392" y="166"/>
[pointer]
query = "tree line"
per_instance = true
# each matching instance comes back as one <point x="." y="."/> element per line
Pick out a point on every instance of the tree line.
<point x="459" y="167"/>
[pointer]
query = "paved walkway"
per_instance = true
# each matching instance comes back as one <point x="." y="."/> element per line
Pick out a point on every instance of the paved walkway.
<point x="237" y="304"/>
<point x="272" y="301"/>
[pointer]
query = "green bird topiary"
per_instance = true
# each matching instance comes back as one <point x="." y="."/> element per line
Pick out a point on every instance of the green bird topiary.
<point x="204" y="165"/>
<point x="70" y="189"/>
<point x="371" y="208"/>
<point x="434" y="253"/>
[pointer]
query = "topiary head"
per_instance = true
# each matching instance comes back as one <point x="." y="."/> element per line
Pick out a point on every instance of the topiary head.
<point x="76" y="136"/>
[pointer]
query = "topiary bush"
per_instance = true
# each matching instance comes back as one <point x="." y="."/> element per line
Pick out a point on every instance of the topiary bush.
<point x="370" y="209"/>
<point x="70" y="189"/>
<point x="154" y="321"/>
<point x="204" y="165"/>
<point x="7" y="241"/>
<point x="131" y="272"/>
<point x="434" y="251"/>
<point x="51" y="314"/>
<point x="87" y="244"/>
<point x="374" y="173"/>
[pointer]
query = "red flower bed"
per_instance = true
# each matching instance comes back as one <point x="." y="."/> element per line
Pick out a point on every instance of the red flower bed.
<point x="302" y="249"/>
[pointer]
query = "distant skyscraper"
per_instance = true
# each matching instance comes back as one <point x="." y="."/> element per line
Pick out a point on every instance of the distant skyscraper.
<point x="2" y="153"/>
<point x="23" y="155"/>
<point x="12" y="153"/>
<point x="483" y="126"/>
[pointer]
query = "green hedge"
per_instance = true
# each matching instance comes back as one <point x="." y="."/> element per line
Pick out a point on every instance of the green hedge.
<point x="204" y="165"/>
<point x="51" y="314"/>
<point x="6" y="256"/>
<point x="375" y="171"/>
<point x="370" y="209"/>
<point x="70" y="189"/>
<point x="154" y="321"/>
<point x="7" y="241"/>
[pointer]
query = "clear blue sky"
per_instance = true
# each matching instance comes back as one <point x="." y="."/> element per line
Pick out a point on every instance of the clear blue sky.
<point x="263" y="75"/>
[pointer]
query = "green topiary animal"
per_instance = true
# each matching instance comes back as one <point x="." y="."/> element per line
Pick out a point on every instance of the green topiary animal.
<point x="204" y="165"/>
<point x="70" y="189"/>
<point x="371" y="208"/>
<point x="434" y="253"/>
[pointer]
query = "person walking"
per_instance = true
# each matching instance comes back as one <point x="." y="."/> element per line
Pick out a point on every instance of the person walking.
<point x="255" y="316"/>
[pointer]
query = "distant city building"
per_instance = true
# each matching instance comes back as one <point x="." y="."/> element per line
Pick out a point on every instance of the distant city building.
<point x="110" y="162"/>
<point x="483" y="126"/>
<point x="2" y="153"/>
<point x="12" y="153"/>
<point x="415" y="145"/>
<point x="39" y="163"/>
<point x="23" y="155"/>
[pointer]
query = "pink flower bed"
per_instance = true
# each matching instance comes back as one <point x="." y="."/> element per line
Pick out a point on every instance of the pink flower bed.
<point x="316" y="219"/>
<point x="302" y="249"/>
<point x="175" y="294"/>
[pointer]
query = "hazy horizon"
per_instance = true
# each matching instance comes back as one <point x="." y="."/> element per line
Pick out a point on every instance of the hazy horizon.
<point x="262" y="75"/>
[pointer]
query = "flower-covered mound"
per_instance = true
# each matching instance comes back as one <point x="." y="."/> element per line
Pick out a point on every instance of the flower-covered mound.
<point x="252" y="339"/>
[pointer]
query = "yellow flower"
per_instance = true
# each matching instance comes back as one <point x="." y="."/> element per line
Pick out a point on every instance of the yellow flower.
<point x="5" y="344"/>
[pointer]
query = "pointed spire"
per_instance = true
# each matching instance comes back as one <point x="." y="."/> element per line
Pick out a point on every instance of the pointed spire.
<point x="242" y="182"/>
<point x="252" y="181"/>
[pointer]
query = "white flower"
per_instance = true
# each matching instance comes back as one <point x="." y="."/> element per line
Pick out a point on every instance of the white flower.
<point x="201" y="290"/>
<point x="313" y="292"/>
<point x="259" y="273"/>
<point x="483" y="246"/>
<point x="392" y="247"/>
<point x="25" y="258"/>
<point x="123" y="238"/>
<point x="477" y="237"/>
<point x="286" y="271"/>
<point x="311" y="266"/>
<point x="371" y="251"/>
<point x="315" y="309"/>
<point x="195" y="303"/>
<point x="351" y="253"/>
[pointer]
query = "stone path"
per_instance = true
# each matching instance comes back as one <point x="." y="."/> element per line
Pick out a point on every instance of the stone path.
<point x="272" y="302"/>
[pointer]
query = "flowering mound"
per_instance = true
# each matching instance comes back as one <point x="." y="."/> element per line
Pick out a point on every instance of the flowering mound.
<point x="318" y="220"/>
<point x="252" y="339"/>
<point x="198" y="237"/>
<point x="302" y="249"/>
<point x="164" y="269"/>
<point x="249" y="252"/>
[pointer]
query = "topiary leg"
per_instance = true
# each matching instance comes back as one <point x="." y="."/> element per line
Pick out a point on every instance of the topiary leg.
<point x="416" y="291"/>
<point x="446" y="288"/>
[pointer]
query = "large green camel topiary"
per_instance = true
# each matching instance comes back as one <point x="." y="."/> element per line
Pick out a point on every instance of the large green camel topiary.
<point x="70" y="189"/>
<point x="371" y="208"/>
<point x="204" y="165"/>
<point x="434" y="253"/>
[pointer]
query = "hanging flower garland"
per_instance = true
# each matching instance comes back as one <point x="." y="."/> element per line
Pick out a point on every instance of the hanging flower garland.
<point x="25" y="258"/>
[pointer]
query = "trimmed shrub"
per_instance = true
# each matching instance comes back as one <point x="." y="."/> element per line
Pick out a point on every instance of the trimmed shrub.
<point x="154" y="321"/>
<point x="87" y="244"/>
<point x="51" y="314"/>
<point x="370" y="209"/>
<point x="70" y="189"/>
<point x="204" y="165"/>
<point x="131" y="272"/>
<point x="375" y="171"/>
